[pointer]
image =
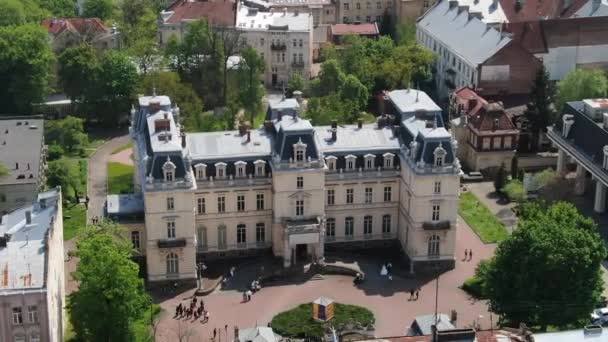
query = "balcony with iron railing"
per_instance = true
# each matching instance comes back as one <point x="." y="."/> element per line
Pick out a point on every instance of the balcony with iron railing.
<point x="278" y="46"/>
<point x="297" y="64"/>
<point x="362" y="237"/>
<point x="233" y="246"/>
<point x="231" y="181"/>
<point x="171" y="243"/>
<point x="436" y="225"/>
<point x="361" y="173"/>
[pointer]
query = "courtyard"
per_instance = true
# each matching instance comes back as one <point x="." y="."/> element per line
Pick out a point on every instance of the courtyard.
<point x="388" y="300"/>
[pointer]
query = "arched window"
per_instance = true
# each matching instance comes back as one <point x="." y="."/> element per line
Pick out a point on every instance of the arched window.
<point x="439" y="155"/>
<point x="169" y="170"/>
<point x="433" y="245"/>
<point x="172" y="263"/>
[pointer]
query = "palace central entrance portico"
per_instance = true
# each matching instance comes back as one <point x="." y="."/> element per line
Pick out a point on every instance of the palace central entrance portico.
<point x="303" y="241"/>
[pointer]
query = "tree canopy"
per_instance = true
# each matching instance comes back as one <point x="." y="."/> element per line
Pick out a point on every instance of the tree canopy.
<point x="581" y="84"/>
<point x="102" y="9"/>
<point x="548" y="271"/>
<point x="67" y="133"/>
<point x="110" y="295"/>
<point x="539" y="112"/>
<point x="25" y="67"/>
<point x="251" y="90"/>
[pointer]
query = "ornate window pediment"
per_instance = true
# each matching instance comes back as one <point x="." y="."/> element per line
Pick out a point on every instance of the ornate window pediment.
<point x="220" y="170"/>
<point x="439" y="155"/>
<point x="201" y="171"/>
<point x="169" y="170"/>
<point x="241" y="169"/>
<point x="260" y="168"/>
<point x="331" y="162"/>
<point x="299" y="151"/>
<point x="351" y="162"/>
<point x="388" y="160"/>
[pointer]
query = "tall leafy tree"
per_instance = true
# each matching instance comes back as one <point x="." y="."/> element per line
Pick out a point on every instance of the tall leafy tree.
<point x="296" y="82"/>
<point x="501" y="178"/>
<point x="331" y="78"/>
<point x="110" y="295"/>
<point x="539" y="112"/>
<point x="139" y="29"/>
<point x="25" y="67"/>
<point x="78" y="69"/>
<point x="355" y="92"/>
<point x="407" y="66"/>
<point x="581" y="84"/>
<point x="251" y="90"/>
<point x="548" y="271"/>
<point x="98" y="9"/>
<point x="12" y="13"/>
<point x="60" y="8"/>
<point x="117" y="80"/>
<point x="65" y="173"/>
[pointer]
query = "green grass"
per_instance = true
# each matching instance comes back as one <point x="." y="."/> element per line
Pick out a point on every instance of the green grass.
<point x="481" y="220"/>
<point x="122" y="148"/>
<point x="141" y="328"/>
<point x="120" y="178"/>
<point x="74" y="219"/>
<point x="298" y="322"/>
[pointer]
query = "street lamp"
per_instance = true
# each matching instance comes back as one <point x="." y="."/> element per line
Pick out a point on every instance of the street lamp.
<point x="200" y="267"/>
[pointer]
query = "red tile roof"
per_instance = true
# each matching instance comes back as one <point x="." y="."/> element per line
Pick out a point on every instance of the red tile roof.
<point x="360" y="29"/>
<point x="464" y="95"/>
<point x="484" y="117"/>
<point x="76" y="25"/>
<point x="217" y="12"/>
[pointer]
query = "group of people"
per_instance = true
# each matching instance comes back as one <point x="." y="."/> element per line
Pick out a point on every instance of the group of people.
<point x="192" y="311"/>
<point x="468" y="255"/>
<point x="255" y="287"/>
<point x="387" y="270"/>
<point x="414" y="294"/>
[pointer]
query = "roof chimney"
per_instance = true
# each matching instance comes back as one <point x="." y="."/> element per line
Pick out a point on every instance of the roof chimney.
<point x="16" y="166"/>
<point x="248" y="136"/>
<point x="183" y="136"/>
<point x="359" y="123"/>
<point x="334" y="134"/>
<point x="28" y="217"/>
<point x="334" y="124"/>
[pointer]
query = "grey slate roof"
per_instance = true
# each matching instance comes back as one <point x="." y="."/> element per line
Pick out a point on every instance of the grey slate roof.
<point x="350" y="138"/>
<point x="229" y="144"/>
<point x="24" y="257"/>
<point x="21" y="140"/>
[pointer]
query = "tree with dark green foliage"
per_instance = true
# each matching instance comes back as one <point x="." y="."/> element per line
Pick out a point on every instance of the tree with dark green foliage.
<point x="387" y="27"/>
<point x="548" y="271"/>
<point x="539" y="112"/>
<point x="251" y="90"/>
<point x="581" y="84"/>
<point x="78" y="69"/>
<point x="110" y="297"/>
<point x="13" y="12"/>
<point x="25" y="67"/>
<point x="139" y="31"/>
<point x="501" y="178"/>
<point x="101" y="9"/>
<point x="296" y="83"/>
<point x="406" y="34"/>
<point x="67" y="133"/>
<point x="66" y="174"/>
<point x="331" y="79"/>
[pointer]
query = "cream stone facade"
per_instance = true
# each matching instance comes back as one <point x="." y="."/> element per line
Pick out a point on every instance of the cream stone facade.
<point x="32" y="292"/>
<point x="296" y="190"/>
<point x="363" y="11"/>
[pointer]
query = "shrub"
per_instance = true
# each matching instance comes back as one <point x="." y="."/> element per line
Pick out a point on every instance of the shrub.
<point x="514" y="190"/>
<point x="55" y="152"/>
<point x="474" y="287"/>
<point x="545" y="177"/>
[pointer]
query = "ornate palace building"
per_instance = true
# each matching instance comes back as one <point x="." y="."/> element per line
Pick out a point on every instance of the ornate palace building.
<point x="295" y="189"/>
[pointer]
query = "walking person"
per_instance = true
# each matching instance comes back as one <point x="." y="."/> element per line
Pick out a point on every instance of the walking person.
<point x="214" y="333"/>
<point x="411" y="294"/>
<point x="470" y="254"/>
<point x="417" y="293"/>
<point x="466" y="255"/>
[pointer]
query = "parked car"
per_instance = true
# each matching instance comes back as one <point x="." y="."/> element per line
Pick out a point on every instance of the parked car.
<point x="600" y="316"/>
<point x="473" y="176"/>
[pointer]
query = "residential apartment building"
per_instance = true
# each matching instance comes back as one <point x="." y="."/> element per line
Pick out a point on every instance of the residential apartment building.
<point x="23" y="155"/>
<point x="175" y="18"/>
<point x="487" y="135"/>
<point x="471" y="52"/>
<point x="283" y="40"/>
<point x="295" y="189"/>
<point x="324" y="12"/>
<point x="581" y="136"/>
<point x="69" y="32"/>
<point x="32" y="294"/>
<point x="363" y="11"/>
<point x="407" y="11"/>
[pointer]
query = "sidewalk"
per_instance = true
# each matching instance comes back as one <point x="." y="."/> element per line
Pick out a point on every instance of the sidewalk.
<point x="498" y="206"/>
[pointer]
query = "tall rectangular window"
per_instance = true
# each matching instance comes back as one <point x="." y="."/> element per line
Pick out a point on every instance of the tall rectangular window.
<point x="388" y="194"/>
<point x="367" y="225"/>
<point x="240" y="202"/>
<point x="300" y="182"/>
<point x="260" y="232"/>
<point x="171" y="230"/>
<point x="331" y="196"/>
<point x="241" y="234"/>
<point x="350" y="196"/>
<point x="349" y="226"/>
<point x="299" y="207"/>
<point x="259" y="201"/>
<point x="368" y="195"/>
<point x="32" y="313"/>
<point x="330" y="227"/>
<point x="17" y="316"/>
<point x="299" y="153"/>
<point x="135" y="239"/>
<point x="170" y="203"/>
<point x="386" y="224"/>
<point x="221" y="204"/>
<point x="507" y="142"/>
<point x="435" y="213"/>
<point x="200" y="206"/>
<point x="437" y="187"/>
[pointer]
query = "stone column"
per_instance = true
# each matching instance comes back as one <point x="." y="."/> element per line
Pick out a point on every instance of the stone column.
<point x="580" y="181"/>
<point x="561" y="162"/>
<point x="286" y="251"/>
<point x="599" y="205"/>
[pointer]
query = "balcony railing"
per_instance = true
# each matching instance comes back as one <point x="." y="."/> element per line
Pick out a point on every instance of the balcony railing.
<point x="297" y="64"/>
<point x="235" y="246"/>
<point x="171" y="243"/>
<point x="278" y="46"/>
<point x="363" y="237"/>
<point x="362" y="173"/>
<point x="436" y="225"/>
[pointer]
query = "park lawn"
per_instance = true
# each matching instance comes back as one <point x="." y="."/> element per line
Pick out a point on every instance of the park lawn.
<point x="298" y="322"/>
<point x="481" y="220"/>
<point x="120" y="178"/>
<point x="122" y="148"/>
<point x="74" y="219"/>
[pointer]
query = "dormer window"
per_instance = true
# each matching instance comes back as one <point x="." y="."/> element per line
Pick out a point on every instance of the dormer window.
<point x="388" y="160"/>
<point x="260" y="168"/>
<point x="350" y="162"/>
<point x="169" y="170"/>
<point x="220" y="170"/>
<point x="369" y="161"/>
<point x="331" y="163"/>
<point x="299" y="150"/>
<point x="240" y="169"/>
<point x="201" y="171"/>
<point x="439" y="155"/>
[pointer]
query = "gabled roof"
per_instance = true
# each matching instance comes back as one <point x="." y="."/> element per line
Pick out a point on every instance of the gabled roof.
<point x="464" y="96"/>
<point x="217" y="12"/>
<point x="483" y="116"/>
<point x="359" y="29"/>
<point x="76" y="25"/>
<point x="466" y="35"/>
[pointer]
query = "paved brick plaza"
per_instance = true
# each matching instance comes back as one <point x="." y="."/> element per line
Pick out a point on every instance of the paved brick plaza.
<point x="388" y="300"/>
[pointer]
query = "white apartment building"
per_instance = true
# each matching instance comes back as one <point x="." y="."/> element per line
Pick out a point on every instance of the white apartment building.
<point x="295" y="189"/>
<point x="32" y="290"/>
<point x="323" y="11"/>
<point x="283" y="39"/>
